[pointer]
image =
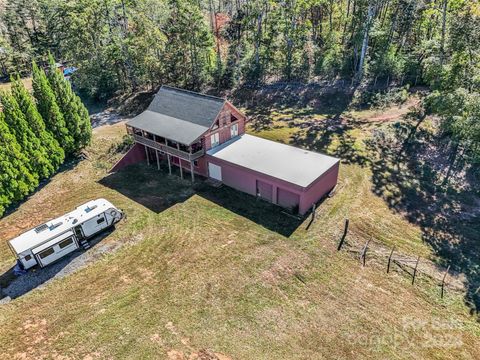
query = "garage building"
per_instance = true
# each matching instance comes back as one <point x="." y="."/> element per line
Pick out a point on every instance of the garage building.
<point x="285" y="175"/>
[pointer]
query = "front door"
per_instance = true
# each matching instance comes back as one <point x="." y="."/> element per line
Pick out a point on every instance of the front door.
<point x="215" y="171"/>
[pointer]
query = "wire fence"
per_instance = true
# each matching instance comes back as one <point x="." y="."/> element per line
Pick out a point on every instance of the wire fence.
<point x="391" y="259"/>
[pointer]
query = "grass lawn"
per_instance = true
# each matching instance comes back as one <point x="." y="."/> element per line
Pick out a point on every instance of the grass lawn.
<point x="208" y="273"/>
<point x="26" y="81"/>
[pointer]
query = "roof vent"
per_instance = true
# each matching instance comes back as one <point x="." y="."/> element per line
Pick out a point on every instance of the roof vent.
<point x="88" y="208"/>
<point x="54" y="226"/>
<point x="41" y="228"/>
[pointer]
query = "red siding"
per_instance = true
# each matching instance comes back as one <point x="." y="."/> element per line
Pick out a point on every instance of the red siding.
<point x="278" y="191"/>
<point x="287" y="198"/>
<point x="133" y="156"/>
<point x="224" y="124"/>
<point x="319" y="188"/>
<point x="245" y="180"/>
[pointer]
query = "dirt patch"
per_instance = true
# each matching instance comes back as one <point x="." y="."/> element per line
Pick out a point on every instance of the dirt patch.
<point x="106" y="117"/>
<point x="200" y="355"/>
<point x="285" y="267"/>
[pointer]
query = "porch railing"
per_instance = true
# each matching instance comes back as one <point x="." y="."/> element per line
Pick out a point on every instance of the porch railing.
<point x="168" y="149"/>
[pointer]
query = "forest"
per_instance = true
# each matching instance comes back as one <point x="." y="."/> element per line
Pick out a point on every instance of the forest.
<point x="121" y="46"/>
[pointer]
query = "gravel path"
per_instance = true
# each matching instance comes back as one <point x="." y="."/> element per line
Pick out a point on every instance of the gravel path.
<point x="106" y="117"/>
<point x="37" y="278"/>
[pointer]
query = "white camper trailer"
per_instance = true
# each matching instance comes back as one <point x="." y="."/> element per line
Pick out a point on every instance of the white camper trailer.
<point x="58" y="237"/>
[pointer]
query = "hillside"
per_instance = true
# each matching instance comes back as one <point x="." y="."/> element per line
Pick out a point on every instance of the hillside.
<point x="208" y="273"/>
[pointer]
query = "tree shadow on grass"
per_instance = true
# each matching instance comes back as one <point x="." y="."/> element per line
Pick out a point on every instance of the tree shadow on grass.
<point x="337" y="131"/>
<point x="158" y="191"/>
<point x="449" y="217"/>
<point x="68" y="165"/>
<point x="318" y="112"/>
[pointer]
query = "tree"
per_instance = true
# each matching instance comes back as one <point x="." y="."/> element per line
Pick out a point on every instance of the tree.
<point x="38" y="163"/>
<point x="459" y="111"/>
<point x="27" y="105"/>
<point x="75" y="114"/>
<point x="188" y="55"/>
<point x="49" y="110"/>
<point x="16" y="181"/>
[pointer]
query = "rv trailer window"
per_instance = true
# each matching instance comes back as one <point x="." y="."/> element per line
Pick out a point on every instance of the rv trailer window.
<point x="28" y="257"/>
<point x="65" y="243"/>
<point x="99" y="221"/>
<point x="46" y="253"/>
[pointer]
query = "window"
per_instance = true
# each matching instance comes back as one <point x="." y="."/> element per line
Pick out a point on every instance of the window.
<point x="99" y="221"/>
<point x="195" y="163"/>
<point x="46" y="253"/>
<point x="215" y="139"/>
<point x="27" y="258"/>
<point x="65" y="243"/>
<point x="234" y="130"/>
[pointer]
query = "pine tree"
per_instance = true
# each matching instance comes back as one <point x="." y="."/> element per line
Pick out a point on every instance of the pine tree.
<point x="49" y="110"/>
<point x="38" y="162"/>
<point x="55" y="153"/>
<point x="74" y="112"/>
<point x="16" y="181"/>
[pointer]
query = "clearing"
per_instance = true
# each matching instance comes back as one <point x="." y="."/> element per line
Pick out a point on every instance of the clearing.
<point x="211" y="273"/>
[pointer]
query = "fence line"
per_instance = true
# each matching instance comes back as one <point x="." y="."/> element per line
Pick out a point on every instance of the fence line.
<point x="408" y="264"/>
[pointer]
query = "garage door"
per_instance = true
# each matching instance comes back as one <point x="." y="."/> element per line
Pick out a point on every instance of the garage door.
<point x="215" y="171"/>
<point x="287" y="198"/>
<point x="264" y="190"/>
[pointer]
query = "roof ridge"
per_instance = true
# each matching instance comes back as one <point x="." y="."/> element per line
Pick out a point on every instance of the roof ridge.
<point x="192" y="92"/>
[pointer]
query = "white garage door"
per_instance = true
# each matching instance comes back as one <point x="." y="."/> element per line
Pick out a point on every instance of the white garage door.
<point x="215" y="171"/>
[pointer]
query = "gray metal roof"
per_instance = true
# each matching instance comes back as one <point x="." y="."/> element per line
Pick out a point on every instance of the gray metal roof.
<point x="179" y="115"/>
<point x="169" y="127"/>
<point x="294" y="165"/>
<point x="186" y="105"/>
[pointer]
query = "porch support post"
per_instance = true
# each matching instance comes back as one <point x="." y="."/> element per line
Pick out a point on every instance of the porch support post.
<point x="191" y="172"/>
<point x="146" y="153"/>
<point x="169" y="165"/>
<point x="158" y="159"/>
<point x="180" y="165"/>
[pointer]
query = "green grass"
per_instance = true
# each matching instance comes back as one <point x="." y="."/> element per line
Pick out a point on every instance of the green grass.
<point x="27" y="82"/>
<point x="214" y="270"/>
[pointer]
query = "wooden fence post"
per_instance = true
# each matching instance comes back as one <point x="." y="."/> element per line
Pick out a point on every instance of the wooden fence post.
<point x="415" y="270"/>
<point x="345" y="231"/>
<point x="443" y="280"/>
<point x="364" y="252"/>
<point x="390" y="259"/>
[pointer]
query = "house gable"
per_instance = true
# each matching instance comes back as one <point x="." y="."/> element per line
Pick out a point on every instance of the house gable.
<point x="221" y="129"/>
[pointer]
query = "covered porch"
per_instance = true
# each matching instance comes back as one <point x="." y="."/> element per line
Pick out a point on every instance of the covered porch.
<point x="158" y="148"/>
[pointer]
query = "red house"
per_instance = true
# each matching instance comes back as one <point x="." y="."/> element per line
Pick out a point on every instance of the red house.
<point x="205" y="135"/>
